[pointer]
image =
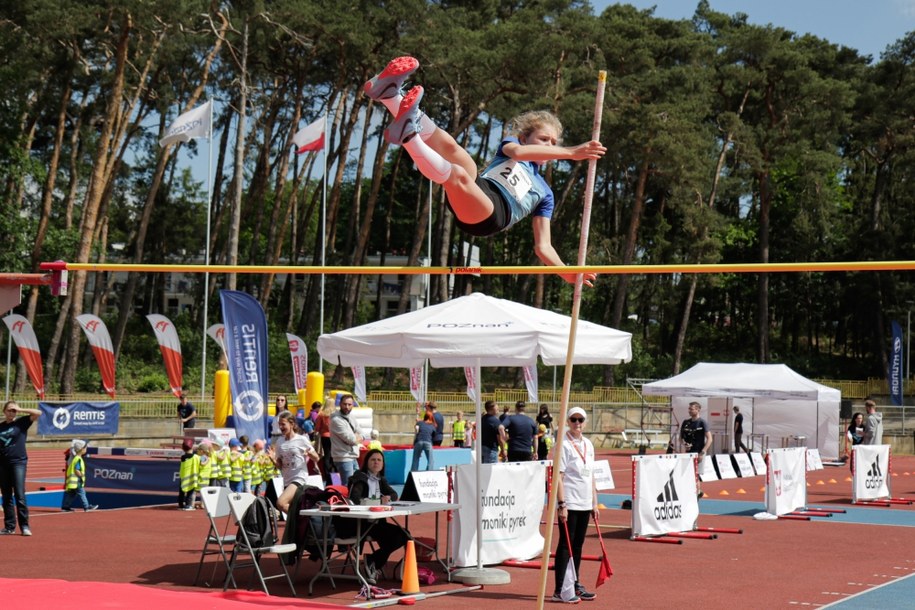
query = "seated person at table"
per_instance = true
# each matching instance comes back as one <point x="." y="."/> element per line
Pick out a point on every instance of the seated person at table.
<point x="369" y="483"/>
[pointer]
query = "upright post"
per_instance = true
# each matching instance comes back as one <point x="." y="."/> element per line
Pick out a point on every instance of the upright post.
<point x="573" y="330"/>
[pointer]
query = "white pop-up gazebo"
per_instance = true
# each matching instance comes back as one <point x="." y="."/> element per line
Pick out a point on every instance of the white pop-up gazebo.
<point x="474" y="331"/>
<point x="775" y="401"/>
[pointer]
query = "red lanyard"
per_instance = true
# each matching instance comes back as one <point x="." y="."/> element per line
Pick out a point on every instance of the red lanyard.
<point x="577" y="450"/>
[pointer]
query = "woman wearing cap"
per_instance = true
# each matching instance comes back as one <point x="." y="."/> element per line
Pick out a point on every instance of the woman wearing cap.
<point x="576" y="499"/>
<point x="13" y="462"/>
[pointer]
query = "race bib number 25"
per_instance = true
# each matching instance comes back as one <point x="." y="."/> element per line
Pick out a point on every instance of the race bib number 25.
<point x="511" y="175"/>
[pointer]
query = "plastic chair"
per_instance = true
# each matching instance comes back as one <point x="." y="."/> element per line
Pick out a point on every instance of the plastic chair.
<point x="216" y="504"/>
<point x="239" y="503"/>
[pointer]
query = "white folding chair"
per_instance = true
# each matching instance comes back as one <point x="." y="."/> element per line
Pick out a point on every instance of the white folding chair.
<point x="216" y="504"/>
<point x="239" y="503"/>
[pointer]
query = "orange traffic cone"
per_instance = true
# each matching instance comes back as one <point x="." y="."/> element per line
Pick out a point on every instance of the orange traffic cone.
<point x="410" y="582"/>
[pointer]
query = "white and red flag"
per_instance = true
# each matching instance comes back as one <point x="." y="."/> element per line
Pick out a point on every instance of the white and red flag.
<point x="24" y="336"/>
<point x="170" y="346"/>
<point x="417" y="387"/>
<point x="217" y="332"/>
<point x="100" y="341"/>
<point x="299" y="353"/>
<point x="471" y="376"/>
<point x="359" y="383"/>
<point x="530" y="380"/>
<point x="310" y="138"/>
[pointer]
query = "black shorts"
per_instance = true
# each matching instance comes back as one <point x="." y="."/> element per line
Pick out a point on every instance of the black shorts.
<point x="496" y="222"/>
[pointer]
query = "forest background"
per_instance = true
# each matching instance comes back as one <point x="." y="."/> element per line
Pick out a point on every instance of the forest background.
<point x="728" y="142"/>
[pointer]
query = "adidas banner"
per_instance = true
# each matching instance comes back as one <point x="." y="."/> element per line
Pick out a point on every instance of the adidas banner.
<point x="664" y="494"/>
<point x="78" y="419"/>
<point x="786" y="480"/>
<point x="511" y="498"/>
<point x="871" y="478"/>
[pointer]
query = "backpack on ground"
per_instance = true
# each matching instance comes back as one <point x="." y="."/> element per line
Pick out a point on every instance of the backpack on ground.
<point x="257" y="524"/>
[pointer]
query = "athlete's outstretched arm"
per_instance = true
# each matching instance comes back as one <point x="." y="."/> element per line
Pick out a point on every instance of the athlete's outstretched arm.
<point x="543" y="248"/>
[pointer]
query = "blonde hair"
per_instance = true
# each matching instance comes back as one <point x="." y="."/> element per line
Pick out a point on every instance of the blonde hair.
<point x="524" y="124"/>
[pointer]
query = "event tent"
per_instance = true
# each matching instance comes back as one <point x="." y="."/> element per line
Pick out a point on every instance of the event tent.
<point x="474" y="331"/>
<point x="775" y="401"/>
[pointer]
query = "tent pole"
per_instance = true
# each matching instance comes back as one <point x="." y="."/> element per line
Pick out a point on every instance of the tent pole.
<point x="573" y="330"/>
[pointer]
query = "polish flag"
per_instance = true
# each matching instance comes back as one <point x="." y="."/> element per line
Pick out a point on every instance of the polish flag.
<point x="100" y="341"/>
<point x="24" y="337"/>
<point x="310" y="138"/>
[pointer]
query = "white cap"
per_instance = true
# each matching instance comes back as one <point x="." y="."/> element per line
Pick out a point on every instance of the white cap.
<point x="77" y="445"/>
<point x="577" y="411"/>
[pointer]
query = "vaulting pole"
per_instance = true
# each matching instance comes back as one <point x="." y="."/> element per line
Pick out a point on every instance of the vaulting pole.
<point x="573" y="331"/>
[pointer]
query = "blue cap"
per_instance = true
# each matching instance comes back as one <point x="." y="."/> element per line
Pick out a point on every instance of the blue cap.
<point x="234" y="443"/>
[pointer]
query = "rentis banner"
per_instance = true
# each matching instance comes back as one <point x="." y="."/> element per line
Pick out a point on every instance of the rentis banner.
<point x="246" y="352"/>
<point x="132" y="475"/>
<point x="170" y="346"/>
<point x="24" y="337"/>
<point x="894" y="374"/>
<point x="78" y="419"/>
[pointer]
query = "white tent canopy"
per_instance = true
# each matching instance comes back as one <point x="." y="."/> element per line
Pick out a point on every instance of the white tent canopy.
<point x="474" y="330"/>
<point x="775" y="401"/>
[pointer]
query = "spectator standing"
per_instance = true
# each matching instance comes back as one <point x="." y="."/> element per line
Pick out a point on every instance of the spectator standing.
<point x="492" y="434"/>
<point x="14" y="461"/>
<point x="439" y="420"/>
<point x="873" y="424"/>
<point x="345" y="439"/>
<point x="544" y="418"/>
<point x="522" y="434"/>
<point x="422" y="441"/>
<point x="738" y="431"/>
<point x="186" y="413"/>
<point x="275" y="434"/>
<point x="322" y="431"/>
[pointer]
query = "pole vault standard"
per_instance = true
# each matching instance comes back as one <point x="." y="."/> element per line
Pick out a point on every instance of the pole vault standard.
<point x="573" y="331"/>
<point x="806" y="267"/>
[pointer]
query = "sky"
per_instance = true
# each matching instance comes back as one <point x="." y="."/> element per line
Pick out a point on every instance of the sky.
<point x="866" y="25"/>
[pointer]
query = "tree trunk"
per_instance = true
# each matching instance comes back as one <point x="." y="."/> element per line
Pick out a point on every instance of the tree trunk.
<point x="238" y="177"/>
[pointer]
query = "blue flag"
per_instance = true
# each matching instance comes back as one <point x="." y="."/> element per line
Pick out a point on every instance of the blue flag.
<point x="246" y="352"/>
<point x="894" y="374"/>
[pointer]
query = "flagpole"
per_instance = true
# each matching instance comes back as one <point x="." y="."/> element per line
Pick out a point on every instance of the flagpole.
<point x="206" y="276"/>
<point x="323" y="240"/>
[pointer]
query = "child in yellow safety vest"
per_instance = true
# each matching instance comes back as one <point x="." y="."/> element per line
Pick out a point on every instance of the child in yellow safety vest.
<point x="260" y="468"/>
<point x="236" y="466"/>
<point x="246" y="464"/>
<point x="187" y="473"/>
<point x="204" y="455"/>
<point x="544" y="443"/>
<point x="221" y="466"/>
<point x="375" y="443"/>
<point x="75" y="484"/>
<point x="459" y="430"/>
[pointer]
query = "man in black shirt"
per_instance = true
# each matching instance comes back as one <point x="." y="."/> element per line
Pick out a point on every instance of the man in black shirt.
<point x="186" y="413"/>
<point x="521" y="431"/>
<point x="492" y="434"/>
<point x="695" y="433"/>
<point x="738" y="431"/>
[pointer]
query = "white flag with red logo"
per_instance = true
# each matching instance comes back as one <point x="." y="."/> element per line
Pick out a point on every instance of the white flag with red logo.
<point x="470" y="375"/>
<point x="530" y="380"/>
<point x="217" y="333"/>
<point x="170" y="346"/>
<point x="359" y="383"/>
<point x="310" y="138"/>
<point x="417" y="387"/>
<point x="25" y="339"/>
<point x="299" y="353"/>
<point x="100" y="341"/>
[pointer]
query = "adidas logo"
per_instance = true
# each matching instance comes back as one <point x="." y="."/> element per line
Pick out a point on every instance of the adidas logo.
<point x="874" y="477"/>
<point x="668" y="502"/>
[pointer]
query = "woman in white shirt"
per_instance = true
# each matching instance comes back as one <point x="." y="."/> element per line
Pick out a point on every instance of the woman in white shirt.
<point x="577" y="500"/>
<point x="290" y="456"/>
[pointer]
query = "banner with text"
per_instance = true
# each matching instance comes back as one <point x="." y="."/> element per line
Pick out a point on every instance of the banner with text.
<point x="78" y="419"/>
<point x="786" y="480"/>
<point x="298" y="351"/>
<point x="664" y="494"/>
<point x="895" y="372"/>
<point x="24" y="336"/>
<point x="871" y="478"/>
<point x="511" y="498"/>
<point x="170" y="346"/>
<point x="247" y="353"/>
<point x="132" y="475"/>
